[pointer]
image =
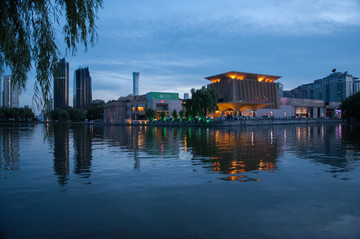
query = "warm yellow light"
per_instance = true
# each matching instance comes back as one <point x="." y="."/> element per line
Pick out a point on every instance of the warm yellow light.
<point x="260" y="79"/>
<point x="215" y="80"/>
<point x="232" y="76"/>
<point x="140" y="108"/>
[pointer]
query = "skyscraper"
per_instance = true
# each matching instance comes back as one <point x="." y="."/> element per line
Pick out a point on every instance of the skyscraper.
<point x="136" y="83"/>
<point x="1" y="93"/>
<point x="10" y="93"/>
<point x="61" y="85"/>
<point x="82" y="88"/>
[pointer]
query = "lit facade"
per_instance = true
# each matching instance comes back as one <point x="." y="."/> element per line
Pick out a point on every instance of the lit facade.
<point x="61" y="85"/>
<point x="238" y="91"/>
<point x="82" y="89"/>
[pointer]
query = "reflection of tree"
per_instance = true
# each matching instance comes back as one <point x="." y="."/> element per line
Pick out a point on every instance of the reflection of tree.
<point x="83" y="151"/>
<point x="9" y="142"/>
<point x="233" y="152"/>
<point x="61" y="152"/>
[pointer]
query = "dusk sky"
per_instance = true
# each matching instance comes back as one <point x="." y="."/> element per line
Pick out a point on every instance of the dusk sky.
<point x="175" y="44"/>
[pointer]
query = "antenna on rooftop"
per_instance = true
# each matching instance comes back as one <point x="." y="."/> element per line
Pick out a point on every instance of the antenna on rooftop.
<point x="334" y="70"/>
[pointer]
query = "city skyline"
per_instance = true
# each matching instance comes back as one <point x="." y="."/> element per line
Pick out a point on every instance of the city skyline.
<point x="176" y="45"/>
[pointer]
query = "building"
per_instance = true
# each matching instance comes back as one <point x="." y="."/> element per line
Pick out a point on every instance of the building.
<point x="356" y="86"/>
<point x="136" y="83"/>
<point x="1" y="93"/>
<point x="10" y="94"/>
<point x="61" y="85"/>
<point x="293" y="107"/>
<point x="280" y="88"/>
<point x="186" y="96"/>
<point x="238" y="91"/>
<point x="82" y="88"/>
<point x="335" y="87"/>
<point x="133" y="107"/>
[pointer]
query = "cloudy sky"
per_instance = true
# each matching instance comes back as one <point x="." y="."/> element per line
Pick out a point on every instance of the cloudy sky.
<point x="175" y="44"/>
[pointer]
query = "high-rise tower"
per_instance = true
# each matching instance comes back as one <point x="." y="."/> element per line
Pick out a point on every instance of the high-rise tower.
<point x="82" y="88"/>
<point x="10" y="94"/>
<point x="136" y="83"/>
<point x="61" y="85"/>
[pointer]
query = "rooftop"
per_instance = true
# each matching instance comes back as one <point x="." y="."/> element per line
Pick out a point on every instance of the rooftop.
<point x="241" y="76"/>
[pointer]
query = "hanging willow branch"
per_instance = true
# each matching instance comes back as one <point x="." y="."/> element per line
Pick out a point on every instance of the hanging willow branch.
<point x="27" y="36"/>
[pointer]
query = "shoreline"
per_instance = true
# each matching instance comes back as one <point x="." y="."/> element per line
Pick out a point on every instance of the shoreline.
<point x="217" y="123"/>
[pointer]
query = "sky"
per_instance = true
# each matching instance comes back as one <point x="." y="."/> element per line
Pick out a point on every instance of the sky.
<point x="176" y="44"/>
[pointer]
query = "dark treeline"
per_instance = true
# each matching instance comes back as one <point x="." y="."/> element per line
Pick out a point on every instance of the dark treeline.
<point x="16" y="114"/>
<point x="95" y="112"/>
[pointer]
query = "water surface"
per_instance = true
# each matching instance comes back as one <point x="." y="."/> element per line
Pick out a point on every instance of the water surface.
<point x="160" y="182"/>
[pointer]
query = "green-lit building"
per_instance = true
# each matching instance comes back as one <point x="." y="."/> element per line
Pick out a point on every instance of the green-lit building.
<point x="132" y="108"/>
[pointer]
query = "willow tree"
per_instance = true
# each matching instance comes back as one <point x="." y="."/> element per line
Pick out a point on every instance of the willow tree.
<point x="202" y="102"/>
<point x="28" y="36"/>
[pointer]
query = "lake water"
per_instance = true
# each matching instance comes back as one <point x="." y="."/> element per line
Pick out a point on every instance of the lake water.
<point x="156" y="182"/>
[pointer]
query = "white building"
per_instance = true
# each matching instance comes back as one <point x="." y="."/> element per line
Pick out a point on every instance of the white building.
<point x="10" y="94"/>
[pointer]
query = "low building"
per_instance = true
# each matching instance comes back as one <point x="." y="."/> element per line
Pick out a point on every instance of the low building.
<point x="302" y="108"/>
<point x="133" y="108"/>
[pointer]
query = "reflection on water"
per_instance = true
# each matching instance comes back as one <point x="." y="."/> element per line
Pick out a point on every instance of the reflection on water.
<point x="228" y="152"/>
<point x="133" y="182"/>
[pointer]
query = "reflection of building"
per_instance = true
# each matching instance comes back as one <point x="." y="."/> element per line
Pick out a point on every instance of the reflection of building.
<point x="61" y="85"/>
<point x="335" y="87"/>
<point x="238" y="91"/>
<point x="82" y="88"/>
<point x="83" y="150"/>
<point x="10" y="146"/>
<point x="134" y="107"/>
<point x="10" y="94"/>
<point x="61" y="152"/>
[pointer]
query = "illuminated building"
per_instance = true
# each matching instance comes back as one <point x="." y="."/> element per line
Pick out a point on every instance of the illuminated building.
<point x="61" y="85"/>
<point x="82" y="88"/>
<point x="238" y="91"/>
<point x="134" y="107"/>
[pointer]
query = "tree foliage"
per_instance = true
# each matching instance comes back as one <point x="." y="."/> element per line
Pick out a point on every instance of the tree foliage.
<point x="17" y="114"/>
<point x="27" y="35"/>
<point x="202" y="102"/>
<point x="150" y="114"/>
<point x="174" y="114"/>
<point x="350" y="107"/>
<point x="96" y="111"/>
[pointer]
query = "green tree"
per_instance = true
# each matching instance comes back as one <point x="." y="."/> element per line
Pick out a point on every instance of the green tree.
<point x="27" y="35"/>
<point x="174" y="115"/>
<point x="162" y="115"/>
<point x="350" y="108"/>
<point x="181" y="115"/>
<point x="202" y="102"/>
<point x="96" y="111"/>
<point x="60" y="115"/>
<point x="150" y="114"/>
<point x="77" y="114"/>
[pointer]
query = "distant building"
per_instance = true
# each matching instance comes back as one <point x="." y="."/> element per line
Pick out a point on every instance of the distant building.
<point x="82" y="89"/>
<point x="186" y="96"/>
<point x="280" y="88"/>
<point x="61" y="85"/>
<point x="335" y="87"/>
<point x="356" y="86"/>
<point x="136" y="83"/>
<point x="11" y="93"/>
<point x="1" y="93"/>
